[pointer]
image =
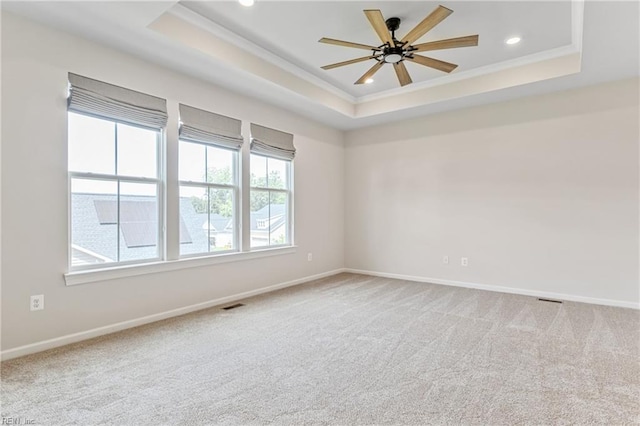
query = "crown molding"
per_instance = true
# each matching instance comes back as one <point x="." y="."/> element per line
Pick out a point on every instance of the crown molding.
<point x="221" y="32"/>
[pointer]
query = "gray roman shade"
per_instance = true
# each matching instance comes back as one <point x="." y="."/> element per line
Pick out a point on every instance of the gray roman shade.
<point x="272" y="143"/>
<point x="88" y="96"/>
<point x="206" y="127"/>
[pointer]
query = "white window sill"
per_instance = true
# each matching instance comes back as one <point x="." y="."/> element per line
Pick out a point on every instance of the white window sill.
<point x="93" y="275"/>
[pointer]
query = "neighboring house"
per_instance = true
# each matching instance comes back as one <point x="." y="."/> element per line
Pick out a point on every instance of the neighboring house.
<point x="95" y="232"/>
<point x="220" y="229"/>
<point x="194" y="225"/>
<point x="269" y="225"/>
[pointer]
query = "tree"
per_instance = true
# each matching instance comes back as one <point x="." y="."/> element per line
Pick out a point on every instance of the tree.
<point x="259" y="199"/>
<point x="220" y="200"/>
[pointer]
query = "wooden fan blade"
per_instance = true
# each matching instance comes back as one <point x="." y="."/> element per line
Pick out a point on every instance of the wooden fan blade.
<point x="377" y="22"/>
<point x="434" y="18"/>
<point x="374" y="69"/>
<point x="449" y="43"/>
<point x="347" y="44"/>
<point x="432" y="63"/>
<point x="349" y="62"/>
<point x="403" y="75"/>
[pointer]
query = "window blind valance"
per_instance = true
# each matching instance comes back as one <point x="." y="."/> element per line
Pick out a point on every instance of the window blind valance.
<point x="206" y="127"/>
<point x="272" y="143"/>
<point x="95" y="97"/>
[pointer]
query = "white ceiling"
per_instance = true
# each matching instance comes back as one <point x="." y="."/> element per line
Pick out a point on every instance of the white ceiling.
<point x="241" y="49"/>
<point x="291" y="30"/>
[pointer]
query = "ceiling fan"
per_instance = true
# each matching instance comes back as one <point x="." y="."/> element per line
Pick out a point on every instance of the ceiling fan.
<point x="395" y="52"/>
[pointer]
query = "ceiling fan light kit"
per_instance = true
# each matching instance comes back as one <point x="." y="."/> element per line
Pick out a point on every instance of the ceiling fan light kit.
<point x="395" y="52"/>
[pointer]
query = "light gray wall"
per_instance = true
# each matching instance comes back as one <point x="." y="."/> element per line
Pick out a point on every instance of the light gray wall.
<point x="541" y="194"/>
<point x="35" y="63"/>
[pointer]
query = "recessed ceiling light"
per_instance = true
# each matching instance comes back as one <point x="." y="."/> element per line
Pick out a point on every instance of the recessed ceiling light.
<point x="368" y="81"/>
<point x="513" y="40"/>
<point x="246" y="3"/>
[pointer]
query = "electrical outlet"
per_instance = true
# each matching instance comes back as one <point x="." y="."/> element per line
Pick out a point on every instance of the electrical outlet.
<point x="310" y="257"/>
<point x="445" y="260"/>
<point x="37" y="302"/>
<point x="464" y="261"/>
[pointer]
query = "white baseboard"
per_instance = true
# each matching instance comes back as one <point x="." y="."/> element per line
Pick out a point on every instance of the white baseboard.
<point x="534" y="293"/>
<point x="100" y="331"/>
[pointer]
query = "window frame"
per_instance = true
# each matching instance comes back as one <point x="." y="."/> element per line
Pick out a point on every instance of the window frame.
<point x="159" y="181"/>
<point x="235" y="194"/>
<point x="289" y="241"/>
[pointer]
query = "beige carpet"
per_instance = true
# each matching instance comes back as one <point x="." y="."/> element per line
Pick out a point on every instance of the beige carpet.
<point x="347" y="350"/>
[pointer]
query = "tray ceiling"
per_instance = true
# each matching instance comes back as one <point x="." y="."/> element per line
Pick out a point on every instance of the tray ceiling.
<point x="291" y="30"/>
<point x="271" y="52"/>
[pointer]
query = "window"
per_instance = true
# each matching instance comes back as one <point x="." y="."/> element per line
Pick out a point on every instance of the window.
<point x="272" y="153"/>
<point x="208" y="198"/>
<point x="115" y="192"/>
<point x="116" y="182"/>
<point x="270" y="201"/>
<point x="208" y="174"/>
<point x="114" y="139"/>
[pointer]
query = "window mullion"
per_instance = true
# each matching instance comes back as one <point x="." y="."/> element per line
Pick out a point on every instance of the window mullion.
<point x="206" y="185"/>
<point x="208" y="219"/>
<point x="267" y="169"/>
<point x="236" y="202"/>
<point x="161" y="195"/>
<point x="269" y="211"/>
<point x="206" y="163"/>
<point x="100" y="176"/>
<point x="118" y="220"/>
<point x="115" y="132"/>
<point x="115" y="168"/>
<point x="259" y="188"/>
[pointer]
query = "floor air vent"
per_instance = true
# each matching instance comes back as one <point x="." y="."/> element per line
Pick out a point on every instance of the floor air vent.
<point x="237" y="305"/>
<point x="550" y="300"/>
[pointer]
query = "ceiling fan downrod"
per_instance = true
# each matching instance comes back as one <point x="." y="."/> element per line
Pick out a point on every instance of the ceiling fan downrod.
<point x="396" y="53"/>
<point x="393" y="24"/>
